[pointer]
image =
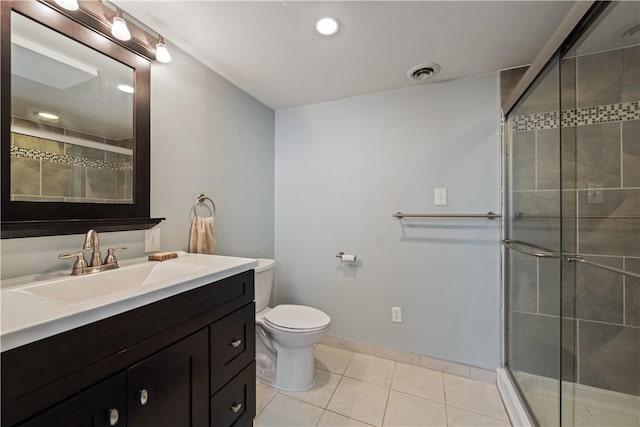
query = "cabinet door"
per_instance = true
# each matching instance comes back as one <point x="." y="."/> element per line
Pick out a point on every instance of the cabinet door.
<point x="170" y="388"/>
<point x="101" y="405"/>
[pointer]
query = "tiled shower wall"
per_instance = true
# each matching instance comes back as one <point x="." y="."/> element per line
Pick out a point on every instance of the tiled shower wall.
<point x="600" y="178"/>
<point x="49" y="170"/>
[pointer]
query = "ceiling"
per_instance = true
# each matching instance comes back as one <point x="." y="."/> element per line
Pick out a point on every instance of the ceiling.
<point x="271" y="50"/>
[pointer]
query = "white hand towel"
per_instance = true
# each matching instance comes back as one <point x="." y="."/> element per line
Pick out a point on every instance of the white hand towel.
<point x="203" y="237"/>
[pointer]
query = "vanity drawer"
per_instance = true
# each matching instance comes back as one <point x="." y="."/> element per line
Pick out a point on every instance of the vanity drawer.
<point x="233" y="345"/>
<point x="235" y="403"/>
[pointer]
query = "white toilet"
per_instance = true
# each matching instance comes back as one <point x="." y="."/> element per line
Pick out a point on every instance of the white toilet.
<point x="285" y="336"/>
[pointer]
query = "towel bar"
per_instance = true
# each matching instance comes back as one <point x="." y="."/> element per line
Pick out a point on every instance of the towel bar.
<point x="488" y="215"/>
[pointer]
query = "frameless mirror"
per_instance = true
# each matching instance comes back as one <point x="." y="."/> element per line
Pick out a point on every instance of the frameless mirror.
<point x="71" y="119"/>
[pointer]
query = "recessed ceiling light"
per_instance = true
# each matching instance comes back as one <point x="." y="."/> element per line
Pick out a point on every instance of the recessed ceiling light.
<point x="327" y="26"/>
<point x="48" y="116"/>
<point x="125" y="88"/>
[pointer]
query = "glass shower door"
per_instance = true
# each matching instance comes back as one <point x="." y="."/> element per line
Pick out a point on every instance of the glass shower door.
<point x="600" y="96"/>
<point x="573" y="229"/>
<point x="533" y="244"/>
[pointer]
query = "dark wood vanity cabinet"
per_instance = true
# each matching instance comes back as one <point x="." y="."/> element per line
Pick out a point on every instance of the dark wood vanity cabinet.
<point x="187" y="360"/>
<point x="102" y="405"/>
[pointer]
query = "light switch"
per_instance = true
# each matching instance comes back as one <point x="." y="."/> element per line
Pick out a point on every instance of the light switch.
<point x="440" y="196"/>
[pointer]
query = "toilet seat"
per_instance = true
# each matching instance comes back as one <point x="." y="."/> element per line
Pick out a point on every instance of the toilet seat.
<point x="296" y="318"/>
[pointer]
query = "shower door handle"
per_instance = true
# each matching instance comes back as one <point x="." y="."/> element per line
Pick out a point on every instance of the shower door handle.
<point x="533" y="250"/>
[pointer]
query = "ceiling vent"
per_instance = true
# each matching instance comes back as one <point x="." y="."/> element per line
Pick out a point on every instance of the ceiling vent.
<point x="423" y="72"/>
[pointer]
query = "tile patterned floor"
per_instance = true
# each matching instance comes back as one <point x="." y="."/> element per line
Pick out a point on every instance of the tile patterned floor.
<point x="354" y="389"/>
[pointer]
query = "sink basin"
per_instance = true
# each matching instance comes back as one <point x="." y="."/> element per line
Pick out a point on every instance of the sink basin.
<point x="77" y="289"/>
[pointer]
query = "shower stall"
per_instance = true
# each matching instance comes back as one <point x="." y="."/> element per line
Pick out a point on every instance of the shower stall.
<point x="572" y="228"/>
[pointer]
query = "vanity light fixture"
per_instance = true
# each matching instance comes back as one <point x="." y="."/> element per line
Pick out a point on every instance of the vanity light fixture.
<point x="125" y="88"/>
<point x="327" y="26"/>
<point x="68" y="4"/>
<point x="119" y="27"/>
<point x="48" y="116"/>
<point x="162" y="53"/>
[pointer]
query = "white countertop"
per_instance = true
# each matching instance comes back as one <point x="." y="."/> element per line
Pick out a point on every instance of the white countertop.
<point x="38" y="306"/>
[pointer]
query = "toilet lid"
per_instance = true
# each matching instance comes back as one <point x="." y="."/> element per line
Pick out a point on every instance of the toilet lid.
<point x="297" y="317"/>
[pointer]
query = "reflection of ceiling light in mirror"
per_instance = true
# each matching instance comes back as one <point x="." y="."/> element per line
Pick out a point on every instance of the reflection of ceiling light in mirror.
<point x="632" y="32"/>
<point x="162" y="53"/>
<point x="119" y="28"/>
<point x="68" y="4"/>
<point x="47" y="116"/>
<point x="125" y="88"/>
<point x="327" y="26"/>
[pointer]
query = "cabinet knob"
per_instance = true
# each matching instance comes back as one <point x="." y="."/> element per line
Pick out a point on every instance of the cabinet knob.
<point x="235" y="343"/>
<point x="144" y="396"/>
<point x="114" y="416"/>
<point x="235" y="407"/>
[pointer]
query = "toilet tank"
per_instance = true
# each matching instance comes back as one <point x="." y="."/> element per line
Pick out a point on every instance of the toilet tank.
<point x="264" y="283"/>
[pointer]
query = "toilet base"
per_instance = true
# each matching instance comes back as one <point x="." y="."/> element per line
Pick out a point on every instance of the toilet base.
<point x="265" y="369"/>
<point x="293" y="372"/>
<point x="294" y="368"/>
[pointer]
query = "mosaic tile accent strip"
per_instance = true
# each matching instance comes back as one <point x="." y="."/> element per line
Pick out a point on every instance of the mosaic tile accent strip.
<point x="579" y="117"/>
<point x="30" y="153"/>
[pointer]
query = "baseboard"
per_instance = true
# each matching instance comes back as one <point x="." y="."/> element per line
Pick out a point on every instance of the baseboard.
<point x="515" y="408"/>
<point x="449" y="367"/>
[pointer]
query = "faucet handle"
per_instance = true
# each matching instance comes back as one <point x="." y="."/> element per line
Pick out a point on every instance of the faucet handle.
<point x="111" y="258"/>
<point x="79" y="265"/>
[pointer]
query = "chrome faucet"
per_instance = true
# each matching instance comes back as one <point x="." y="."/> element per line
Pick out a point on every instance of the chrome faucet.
<point x="92" y="241"/>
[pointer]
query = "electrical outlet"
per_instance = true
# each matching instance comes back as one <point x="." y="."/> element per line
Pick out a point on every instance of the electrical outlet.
<point x="440" y="196"/>
<point x="152" y="240"/>
<point x="396" y="314"/>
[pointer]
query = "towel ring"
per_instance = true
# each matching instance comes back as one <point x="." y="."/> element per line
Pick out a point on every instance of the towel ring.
<point x="200" y="201"/>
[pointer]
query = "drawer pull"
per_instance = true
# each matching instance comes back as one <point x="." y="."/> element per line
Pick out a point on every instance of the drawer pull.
<point x="235" y="343"/>
<point x="235" y="407"/>
<point x="144" y="396"/>
<point x="113" y="417"/>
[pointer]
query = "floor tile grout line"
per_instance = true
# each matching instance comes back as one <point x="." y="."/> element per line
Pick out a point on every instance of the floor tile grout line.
<point x="444" y="397"/>
<point x="480" y="413"/>
<point x="386" y="405"/>
<point x="334" y="391"/>
<point x="326" y="408"/>
<point x="268" y="402"/>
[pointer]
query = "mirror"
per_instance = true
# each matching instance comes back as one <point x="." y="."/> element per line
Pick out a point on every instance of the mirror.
<point x="75" y="125"/>
<point x="71" y="119"/>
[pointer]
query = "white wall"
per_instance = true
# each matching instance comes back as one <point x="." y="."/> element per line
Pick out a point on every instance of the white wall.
<point x="207" y="136"/>
<point x="344" y="167"/>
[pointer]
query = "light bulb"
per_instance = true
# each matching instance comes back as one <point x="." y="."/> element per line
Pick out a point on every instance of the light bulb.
<point x="68" y="4"/>
<point x="48" y="116"/>
<point x="125" y="88"/>
<point x="119" y="28"/>
<point x="327" y="26"/>
<point x="162" y="53"/>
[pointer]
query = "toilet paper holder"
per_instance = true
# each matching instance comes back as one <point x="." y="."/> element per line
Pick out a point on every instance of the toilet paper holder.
<point x="346" y="257"/>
